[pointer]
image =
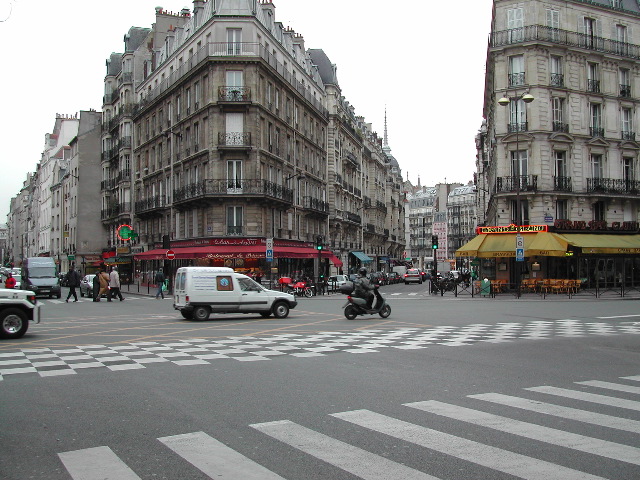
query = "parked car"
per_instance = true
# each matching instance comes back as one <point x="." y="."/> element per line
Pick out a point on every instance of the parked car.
<point x="413" y="275"/>
<point x="376" y="278"/>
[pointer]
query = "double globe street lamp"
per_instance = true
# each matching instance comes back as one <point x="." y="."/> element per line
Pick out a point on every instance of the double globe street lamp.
<point x="518" y="126"/>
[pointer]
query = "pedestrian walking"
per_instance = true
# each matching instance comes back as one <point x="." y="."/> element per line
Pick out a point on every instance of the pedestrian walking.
<point x="10" y="282"/>
<point x="114" y="285"/>
<point x="96" y="287"/>
<point x="73" y="281"/>
<point x="104" y="283"/>
<point x="159" y="280"/>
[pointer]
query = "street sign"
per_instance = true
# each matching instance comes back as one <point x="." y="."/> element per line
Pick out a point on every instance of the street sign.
<point x="519" y="254"/>
<point x="269" y="249"/>
<point x="519" y="241"/>
<point x="171" y="254"/>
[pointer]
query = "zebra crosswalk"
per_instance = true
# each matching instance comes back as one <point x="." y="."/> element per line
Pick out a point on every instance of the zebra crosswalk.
<point x="364" y="453"/>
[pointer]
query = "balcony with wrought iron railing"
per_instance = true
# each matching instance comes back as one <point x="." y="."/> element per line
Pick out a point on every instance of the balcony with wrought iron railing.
<point x="353" y="217"/>
<point x="517" y="127"/>
<point x="557" y="80"/>
<point x="124" y="176"/>
<point x="151" y="204"/>
<point x="315" y="204"/>
<point x="512" y="184"/>
<point x="338" y="179"/>
<point x="370" y="227"/>
<point x="613" y="185"/>
<point x="542" y="33"/>
<point x="350" y="156"/>
<point x="562" y="184"/>
<point x="593" y="85"/>
<point x="234" y="94"/>
<point x="234" y="140"/>
<point x="625" y="91"/>
<point x="627" y="135"/>
<point x="596" y="132"/>
<point x="212" y="190"/>
<point x="560" y="127"/>
<point x="516" y="79"/>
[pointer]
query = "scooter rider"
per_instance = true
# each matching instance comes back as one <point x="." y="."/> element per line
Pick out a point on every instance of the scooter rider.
<point x="363" y="288"/>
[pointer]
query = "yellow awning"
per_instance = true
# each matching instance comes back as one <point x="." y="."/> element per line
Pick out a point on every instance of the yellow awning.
<point x="504" y="245"/>
<point x="606" y="244"/>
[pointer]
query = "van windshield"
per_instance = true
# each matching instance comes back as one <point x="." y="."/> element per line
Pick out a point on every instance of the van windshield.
<point x="42" y="272"/>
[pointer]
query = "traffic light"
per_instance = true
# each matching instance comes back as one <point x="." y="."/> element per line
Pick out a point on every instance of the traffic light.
<point x="319" y="242"/>
<point x="434" y="242"/>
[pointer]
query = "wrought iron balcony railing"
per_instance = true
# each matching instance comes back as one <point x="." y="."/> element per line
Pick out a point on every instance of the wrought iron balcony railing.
<point x="316" y="204"/>
<point x="562" y="184"/>
<point x="596" y="132"/>
<point x="542" y="33"/>
<point x="353" y="217"/>
<point x="557" y="80"/>
<point x="625" y="91"/>
<point x="626" y="135"/>
<point x="234" y="230"/>
<point x="613" y="185"/>
<point x="234" y="139"/>
<point x="217" y="187"/>
<point x="517" y="127"/>
<point x="151" y="203"/>
<point x="234" y="94"/>
<point x="593" y="86"/>
<point x="560" y="127"/>
<point x="511" y="184"/>
<point x="516" y="79"/>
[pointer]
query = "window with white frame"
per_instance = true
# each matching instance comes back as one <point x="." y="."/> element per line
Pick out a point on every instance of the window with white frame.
<point x="515" y="24"/>
<point x="516" y="70"/>
<point x="519" y="161"/>
<point x="599" y="211"/>
<point x="557" y="112"/>
<point x="517" y="116"/>
<point x="234" y="174"/>
<point x="627" y="169"/>
<point x="596" y="120"/>
<point x="557" y="75"/>
<point x="625" y="82"/>
<point x="234" y="220"/>
<point x="234" y="41"/>
<point x="562" y="210"/>
<point x="626" y="121"/>
<point x="593" y="78"/>
<point x="597" y="167"/>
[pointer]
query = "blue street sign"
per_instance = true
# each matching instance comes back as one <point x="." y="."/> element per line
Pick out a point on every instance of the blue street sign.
<point x="269" y="255"/>
<point x="519" y="254"/>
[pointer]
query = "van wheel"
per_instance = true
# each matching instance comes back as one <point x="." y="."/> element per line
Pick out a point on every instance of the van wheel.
<point x="13" y="323"/>
<point x="281" y="310"/>
<point x="187" y="315"/>
<point x="201" y="313"/>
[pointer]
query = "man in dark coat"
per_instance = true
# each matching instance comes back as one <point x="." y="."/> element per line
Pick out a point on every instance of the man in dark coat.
<point x="73" y="281"/>
<point x="96" y="287"/>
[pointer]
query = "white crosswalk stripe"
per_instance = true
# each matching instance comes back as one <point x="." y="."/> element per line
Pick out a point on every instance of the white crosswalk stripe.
<point x="496" y="458"/>
<point x="552" y="436"/>
<point x="99" y="463"/>
<point x="216" y="460"/>
<point x="569" y="413"/>
<point x="365" y="465"/>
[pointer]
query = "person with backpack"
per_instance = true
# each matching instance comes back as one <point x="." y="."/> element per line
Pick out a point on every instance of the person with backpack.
<point x="159" y="281"/>
<point x="72" y="279"/>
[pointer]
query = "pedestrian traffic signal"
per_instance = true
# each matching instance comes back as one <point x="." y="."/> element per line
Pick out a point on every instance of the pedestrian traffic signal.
<point x="434" y="242"/>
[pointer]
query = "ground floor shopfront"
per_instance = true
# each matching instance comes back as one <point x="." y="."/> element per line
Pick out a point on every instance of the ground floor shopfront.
<point x="598" y="259"/>
<point x="246" y="255"/>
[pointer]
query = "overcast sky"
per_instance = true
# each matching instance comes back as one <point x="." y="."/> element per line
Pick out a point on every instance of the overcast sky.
<point x="421" y="60"/>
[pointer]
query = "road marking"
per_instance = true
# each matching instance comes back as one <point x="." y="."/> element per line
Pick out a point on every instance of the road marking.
<point x="485" y="455"/>
<point x="363" y="464"/>
<point x="611" y="386"/>
<point x="562" y="412"/>
<point x="617" y="316"/>
<point x="215" y="459"/>
<point x="581" y="443"/>
<point x="588" y="397"/>
<point x="99" y="463"/>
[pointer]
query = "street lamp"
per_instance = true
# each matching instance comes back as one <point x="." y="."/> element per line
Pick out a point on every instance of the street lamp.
<point x="526" y="97"/>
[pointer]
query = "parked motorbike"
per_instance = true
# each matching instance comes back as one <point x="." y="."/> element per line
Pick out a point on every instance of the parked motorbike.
<point x="358" y="306"/>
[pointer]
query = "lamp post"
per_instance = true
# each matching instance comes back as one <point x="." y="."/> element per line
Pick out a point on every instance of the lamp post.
<point x="526" y="97"/>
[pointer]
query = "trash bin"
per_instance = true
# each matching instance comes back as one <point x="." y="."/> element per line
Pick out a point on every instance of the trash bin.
<point x="485" y="287"/>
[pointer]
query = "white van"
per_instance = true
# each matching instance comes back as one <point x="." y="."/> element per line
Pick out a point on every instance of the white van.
<point x="200" y="291"/>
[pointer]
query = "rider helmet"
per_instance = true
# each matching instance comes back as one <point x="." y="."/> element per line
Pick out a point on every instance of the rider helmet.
<point x="362" y="271"/>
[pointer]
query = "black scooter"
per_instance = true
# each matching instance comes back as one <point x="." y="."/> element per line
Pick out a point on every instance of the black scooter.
<point x="358" y="306"/>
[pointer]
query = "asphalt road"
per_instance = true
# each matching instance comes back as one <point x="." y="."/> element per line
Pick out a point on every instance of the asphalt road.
<point x="444" y="388"/>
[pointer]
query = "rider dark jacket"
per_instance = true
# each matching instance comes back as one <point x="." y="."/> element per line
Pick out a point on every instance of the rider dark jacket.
<point x="363" y="289"/>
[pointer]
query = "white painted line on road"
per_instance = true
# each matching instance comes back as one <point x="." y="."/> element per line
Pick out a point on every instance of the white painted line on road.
<point x="569" y="413"/>
<point x="635" y="378"/>
<point x="618" y="316"/>
<point x="588" y="397"/>
<point x="495" y="458"/>
<point x="363" y="464"/>
<point x="611" y="386"/>
<point x="99" y="463"/>
<point x="581" y="443"/>
<point x="215" y="459"/>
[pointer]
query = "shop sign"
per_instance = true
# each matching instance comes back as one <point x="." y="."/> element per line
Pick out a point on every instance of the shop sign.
<point x="513" y="229"/>
<point x="123" y="250"/>
<point x="595" y="226"/>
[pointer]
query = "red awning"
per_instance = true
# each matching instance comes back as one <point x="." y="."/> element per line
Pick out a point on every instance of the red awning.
<point x="222" y="252"/>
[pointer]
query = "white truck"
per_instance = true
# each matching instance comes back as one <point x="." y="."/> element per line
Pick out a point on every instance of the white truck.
<point x="17" y="309"/>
